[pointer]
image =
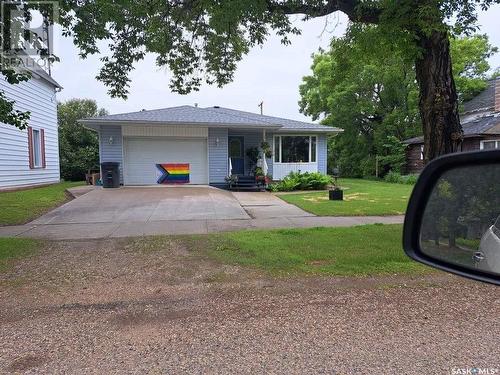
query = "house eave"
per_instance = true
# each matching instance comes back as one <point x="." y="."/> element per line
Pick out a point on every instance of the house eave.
<point x="310" y="130"/>
<point x="93" y="124"/>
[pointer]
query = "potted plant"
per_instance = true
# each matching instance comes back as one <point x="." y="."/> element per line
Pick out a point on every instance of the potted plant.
<point x="336" y="193"/>
<point x="266" y="149"/>
<point x="231" y="180"/>
<point x="253" y="156"/>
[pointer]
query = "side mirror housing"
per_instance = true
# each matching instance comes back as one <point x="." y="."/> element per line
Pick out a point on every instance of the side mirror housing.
<point x="453" y="218"/>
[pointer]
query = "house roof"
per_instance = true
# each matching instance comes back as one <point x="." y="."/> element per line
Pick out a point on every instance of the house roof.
<point x="42" y="74"/>
<point x="286" y="124"/>
<point x="37" y="72"/>
<point x="485" y="101"/>
<point x="489" y="120"/>
<point x="480" y="126"/>
<point x="210" y="116"/>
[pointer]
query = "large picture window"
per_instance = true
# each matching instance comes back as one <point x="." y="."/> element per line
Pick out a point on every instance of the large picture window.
<point x="295" y="149"/>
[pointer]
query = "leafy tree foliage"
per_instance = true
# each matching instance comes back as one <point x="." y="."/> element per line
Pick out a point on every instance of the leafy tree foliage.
<point x="365" y="84"/>
<point x="470" y="64"/>
<point x="8" y="113"/>
<point x="13" y="60"/>
<point x="78" y="146"/>
<point x="203" y="41"/>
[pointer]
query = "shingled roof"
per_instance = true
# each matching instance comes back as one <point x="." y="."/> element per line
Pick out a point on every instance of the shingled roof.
<point x="486" y="105"/>
<point x="210" y="116"/>
<point x="483" y="125"/>
<point x="485" y="101"/>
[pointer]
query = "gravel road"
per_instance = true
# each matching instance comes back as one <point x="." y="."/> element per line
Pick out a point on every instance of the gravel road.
<point x="105" y="307"/>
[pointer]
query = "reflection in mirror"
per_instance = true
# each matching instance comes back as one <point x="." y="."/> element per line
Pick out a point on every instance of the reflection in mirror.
<point x="461" y="221"/>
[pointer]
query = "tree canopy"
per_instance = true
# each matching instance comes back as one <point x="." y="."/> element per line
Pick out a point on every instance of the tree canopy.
<point x="365" y="84"/>
<point x="78" y="146"/>
<point x="202" y="41"/>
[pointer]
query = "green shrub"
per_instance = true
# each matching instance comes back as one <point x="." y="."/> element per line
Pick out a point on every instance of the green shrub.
<point x="302" y="181"/>
<point x="411" y="179"/>
<point x="397" y="178"/>
<point x="393" y="177"/>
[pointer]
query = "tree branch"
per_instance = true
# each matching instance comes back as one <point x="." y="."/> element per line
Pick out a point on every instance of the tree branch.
<point x="354" y="9"/>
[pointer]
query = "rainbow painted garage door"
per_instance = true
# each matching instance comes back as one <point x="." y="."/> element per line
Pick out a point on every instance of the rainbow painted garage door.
<point x="165" y="160"/>
<point x="173" y="173"/>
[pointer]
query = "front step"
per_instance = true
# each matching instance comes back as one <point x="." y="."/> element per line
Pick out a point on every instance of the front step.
<point x="246" y="183"/>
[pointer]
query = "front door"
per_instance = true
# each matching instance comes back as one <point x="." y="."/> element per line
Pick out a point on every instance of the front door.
<point x="237" y="155"/>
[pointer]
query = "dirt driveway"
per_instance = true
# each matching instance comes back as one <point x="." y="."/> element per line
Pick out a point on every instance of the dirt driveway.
<point x="121" y="306"/>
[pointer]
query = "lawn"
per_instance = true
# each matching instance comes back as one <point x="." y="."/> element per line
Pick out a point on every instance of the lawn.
<point x="354" y="251"/>
<point x="14" y="248"/>
<point x="19" y="207"/>
<point x="361" y="198"/>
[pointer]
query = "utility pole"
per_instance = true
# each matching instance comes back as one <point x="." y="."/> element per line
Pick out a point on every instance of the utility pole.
<point x="261" y="105"/>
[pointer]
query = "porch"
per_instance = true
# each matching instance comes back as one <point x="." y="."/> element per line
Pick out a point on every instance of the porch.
<point x="288" y="153"/>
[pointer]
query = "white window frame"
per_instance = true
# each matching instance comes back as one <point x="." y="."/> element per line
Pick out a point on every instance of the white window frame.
<point x="37" y="149"/>
<point x="421" y="152"/>
<point x="281" y="148"/>
<point x="497" y="143"/>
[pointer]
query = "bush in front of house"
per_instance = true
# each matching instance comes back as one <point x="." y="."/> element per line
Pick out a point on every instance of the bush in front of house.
<point x="302" y="181"/>
<point x="397" y="178"/>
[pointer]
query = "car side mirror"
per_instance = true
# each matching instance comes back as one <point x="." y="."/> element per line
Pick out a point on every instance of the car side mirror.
<point x="453" y="217"/>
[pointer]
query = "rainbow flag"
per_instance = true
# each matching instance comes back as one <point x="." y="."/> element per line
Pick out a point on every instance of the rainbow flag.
<point x="173" y="173"/>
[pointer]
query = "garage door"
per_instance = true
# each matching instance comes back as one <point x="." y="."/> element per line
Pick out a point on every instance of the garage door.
<point x="142" y="155"/>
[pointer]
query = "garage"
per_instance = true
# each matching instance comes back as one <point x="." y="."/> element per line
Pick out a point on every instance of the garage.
<point x="147" y="159"/>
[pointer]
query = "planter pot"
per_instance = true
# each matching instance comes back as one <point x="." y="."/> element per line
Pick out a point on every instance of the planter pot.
<point x="336" y="195"/>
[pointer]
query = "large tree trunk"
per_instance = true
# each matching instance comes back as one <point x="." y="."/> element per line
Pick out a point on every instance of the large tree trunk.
<point x="438" y="98"/>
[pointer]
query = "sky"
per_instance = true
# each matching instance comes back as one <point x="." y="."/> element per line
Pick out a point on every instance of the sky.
<point x="271" y="73"/>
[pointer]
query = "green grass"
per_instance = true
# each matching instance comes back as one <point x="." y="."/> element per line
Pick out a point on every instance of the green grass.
<point x="355" y="251"/>
<point x="361" y="198"/>
<point x="14" y="248"/>
<point x="19" y="207"/>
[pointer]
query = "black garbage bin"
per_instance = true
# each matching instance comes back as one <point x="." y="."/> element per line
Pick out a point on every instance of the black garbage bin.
<point x="110" y="174"/>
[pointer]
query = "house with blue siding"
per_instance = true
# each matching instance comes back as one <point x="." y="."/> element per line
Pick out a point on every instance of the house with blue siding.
<point x="30" y="157"/>
<point x="196" y="145"/>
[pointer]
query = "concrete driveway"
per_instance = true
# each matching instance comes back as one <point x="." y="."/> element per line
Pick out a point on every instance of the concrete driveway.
<point x="143" y="211"/>
<point x="264" y="205"/>
<point x="147" y="204"/>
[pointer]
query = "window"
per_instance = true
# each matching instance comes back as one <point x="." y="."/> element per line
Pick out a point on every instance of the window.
<point x="422" y="152"/>
<point x="490" y="144"/>
<point x="235" y="148"/>
<point x="295" y="149"/>
<point x="37" y="149"/>
<point x="277" y="149"/>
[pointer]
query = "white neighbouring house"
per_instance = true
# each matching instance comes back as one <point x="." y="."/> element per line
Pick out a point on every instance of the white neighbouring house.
<point x="30" y="157"/>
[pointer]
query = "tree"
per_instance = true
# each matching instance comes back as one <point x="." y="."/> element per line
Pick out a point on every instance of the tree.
<point x="16" y="39"/>
<point x="470" y="64"/>
<point x="365" y="84"/>
<point x="204" y="40"/>
<point x="78" y="146"/>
